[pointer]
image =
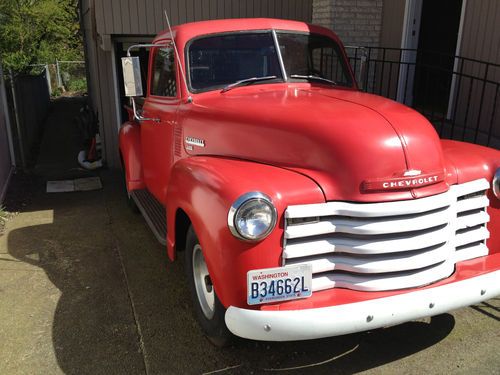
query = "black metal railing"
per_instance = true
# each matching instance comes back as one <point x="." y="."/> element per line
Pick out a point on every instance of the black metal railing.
<point x="458" y="95"/>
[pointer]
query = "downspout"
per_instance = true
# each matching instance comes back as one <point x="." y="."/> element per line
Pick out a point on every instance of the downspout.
<point x="18" y="120"/>
<point x="84" y="38"/>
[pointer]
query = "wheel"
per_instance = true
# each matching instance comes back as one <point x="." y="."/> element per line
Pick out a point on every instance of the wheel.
<point x="207" y="308"/>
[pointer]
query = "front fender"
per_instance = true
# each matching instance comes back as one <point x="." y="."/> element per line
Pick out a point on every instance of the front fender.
<point x="205" y="188"/>
<point x="467" y="162"/>
<point x="130" y="150"/>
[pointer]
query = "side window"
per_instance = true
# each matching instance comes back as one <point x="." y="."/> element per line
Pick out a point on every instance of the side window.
<point x="163" y="80"/>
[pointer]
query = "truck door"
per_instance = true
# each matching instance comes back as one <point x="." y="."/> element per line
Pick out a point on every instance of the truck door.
<point x="157" y="132"/>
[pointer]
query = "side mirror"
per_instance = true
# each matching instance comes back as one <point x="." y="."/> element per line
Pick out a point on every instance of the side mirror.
<point x="132" y="76"/>
<point x="131" y="67"/>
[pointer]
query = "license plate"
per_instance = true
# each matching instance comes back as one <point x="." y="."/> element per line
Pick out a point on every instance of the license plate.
<point x="279" y="284"/>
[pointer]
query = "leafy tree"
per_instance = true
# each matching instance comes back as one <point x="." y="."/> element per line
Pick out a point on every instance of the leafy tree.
<point x="38" y="32"/>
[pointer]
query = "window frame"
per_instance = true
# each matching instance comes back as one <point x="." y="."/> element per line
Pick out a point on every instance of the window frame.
<point x="191" y="41"/>
<point x="168" y="44"/>
<point x="285" y="78"/>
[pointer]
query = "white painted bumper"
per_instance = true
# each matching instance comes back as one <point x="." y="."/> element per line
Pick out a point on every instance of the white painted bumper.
<point x="361" y="316"/>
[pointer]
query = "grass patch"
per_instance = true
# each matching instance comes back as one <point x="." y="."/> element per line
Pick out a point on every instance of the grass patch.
<point x="4" y="215"/>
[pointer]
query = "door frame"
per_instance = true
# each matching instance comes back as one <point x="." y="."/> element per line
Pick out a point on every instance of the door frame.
<point x="409" y="40"/>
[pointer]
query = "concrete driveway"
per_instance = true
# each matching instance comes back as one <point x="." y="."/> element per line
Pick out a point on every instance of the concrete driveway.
<point x="86" y="289"/>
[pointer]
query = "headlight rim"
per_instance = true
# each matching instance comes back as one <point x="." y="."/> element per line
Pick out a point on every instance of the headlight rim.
<point x="253" y="195"/>
<point x="496" y="184"/>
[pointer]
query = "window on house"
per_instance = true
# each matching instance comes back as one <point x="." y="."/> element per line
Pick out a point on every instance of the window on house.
<point x="164" y="79"/>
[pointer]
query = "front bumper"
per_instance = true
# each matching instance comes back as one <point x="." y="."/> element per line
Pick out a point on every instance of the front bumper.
<point x="361" y="316"/>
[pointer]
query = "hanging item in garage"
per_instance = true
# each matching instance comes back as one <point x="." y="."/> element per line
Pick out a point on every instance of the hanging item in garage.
<point x="87" y="122"/>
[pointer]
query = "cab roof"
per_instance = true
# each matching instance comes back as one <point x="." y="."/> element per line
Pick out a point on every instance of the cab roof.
<point x="185" y="32"/>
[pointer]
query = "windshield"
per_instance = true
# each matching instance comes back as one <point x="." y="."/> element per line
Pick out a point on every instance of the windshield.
<point x="219" y="61"/>
<point x="313" y="55"/>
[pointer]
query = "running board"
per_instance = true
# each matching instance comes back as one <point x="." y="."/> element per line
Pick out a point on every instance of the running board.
<point x="154" y="213"/>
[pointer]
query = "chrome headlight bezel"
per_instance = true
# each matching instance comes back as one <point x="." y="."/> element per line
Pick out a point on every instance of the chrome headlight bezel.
<point x="240" y="203"/>
<point x="496" y="184"/>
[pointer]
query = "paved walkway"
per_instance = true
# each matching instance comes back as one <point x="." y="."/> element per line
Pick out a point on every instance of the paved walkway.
<point x="86" y="289"/>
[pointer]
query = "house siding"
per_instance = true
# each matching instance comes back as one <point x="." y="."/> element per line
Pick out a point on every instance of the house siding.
<point x="481" y="31"/>
<point x="480" y="41"/>
<point x="392" y="23"/>
<point x="105" y="20"/>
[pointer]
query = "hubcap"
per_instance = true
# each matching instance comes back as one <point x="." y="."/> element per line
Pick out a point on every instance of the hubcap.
<point x="203" y="283"/>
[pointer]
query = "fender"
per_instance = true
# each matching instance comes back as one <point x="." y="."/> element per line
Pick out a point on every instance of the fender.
<point x="205" y="188"/>
<point x="466" y="162"/>
<point x="130" y="150"/>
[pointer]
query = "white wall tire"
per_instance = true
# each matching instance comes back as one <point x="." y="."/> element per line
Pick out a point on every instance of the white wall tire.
<point x="207" y="308"/>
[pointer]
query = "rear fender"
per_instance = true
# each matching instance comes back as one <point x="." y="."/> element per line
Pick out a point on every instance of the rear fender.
<point x="130" y="150"/>
<point x="205" y="188"/>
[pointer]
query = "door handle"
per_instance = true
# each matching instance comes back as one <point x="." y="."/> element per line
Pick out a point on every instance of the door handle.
<point x="141" y="116"/>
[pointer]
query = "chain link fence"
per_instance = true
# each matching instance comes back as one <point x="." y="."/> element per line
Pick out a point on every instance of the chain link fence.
<point x="64" y="78"/>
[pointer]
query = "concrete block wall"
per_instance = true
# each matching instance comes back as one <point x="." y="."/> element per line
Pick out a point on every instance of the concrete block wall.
<point x="356" y="22"/>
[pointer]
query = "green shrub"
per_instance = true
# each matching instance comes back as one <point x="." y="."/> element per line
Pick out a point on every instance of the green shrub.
<point x="79" y="85"/>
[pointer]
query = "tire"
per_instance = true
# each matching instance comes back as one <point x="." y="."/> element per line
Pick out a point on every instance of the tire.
<point x="207" y="308"/>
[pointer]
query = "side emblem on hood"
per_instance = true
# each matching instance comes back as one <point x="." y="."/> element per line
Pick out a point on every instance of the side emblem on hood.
<point x="412" y="173"/>
<point x="410" y="179"/>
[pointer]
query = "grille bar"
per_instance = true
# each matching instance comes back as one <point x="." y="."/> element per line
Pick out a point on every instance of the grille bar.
<point x="387" y="263"/>
<point x="394" y="224"/>
<point x="388" y="245"/>
<point x="381" y="282"/>
<point x="367" y="210"/>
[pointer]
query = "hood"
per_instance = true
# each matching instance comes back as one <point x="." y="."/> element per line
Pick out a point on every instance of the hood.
<point x="346" y="141"/>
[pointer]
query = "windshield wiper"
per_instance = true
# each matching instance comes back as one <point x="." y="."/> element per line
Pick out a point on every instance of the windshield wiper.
<point x="314" y="78"/>
<point x="246" y="81"/>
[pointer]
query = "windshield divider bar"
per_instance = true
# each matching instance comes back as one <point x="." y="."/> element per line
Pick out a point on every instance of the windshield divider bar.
<point x="280" y="57"/>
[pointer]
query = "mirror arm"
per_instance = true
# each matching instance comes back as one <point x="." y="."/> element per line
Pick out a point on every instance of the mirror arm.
<point x="140" y="118"/>
<point x="148" y="45"/>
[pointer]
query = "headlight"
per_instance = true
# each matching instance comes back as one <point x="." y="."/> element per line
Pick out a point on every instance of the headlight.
<point x="252" y="217"/>
<point x="496" y="184"/>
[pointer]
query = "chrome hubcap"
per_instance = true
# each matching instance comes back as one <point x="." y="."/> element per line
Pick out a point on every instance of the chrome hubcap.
<point x="203" y="283"/>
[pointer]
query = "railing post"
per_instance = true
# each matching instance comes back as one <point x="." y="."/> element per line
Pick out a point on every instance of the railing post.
<point x="58" y="72"/>
<point x="362" y="67"/>
<point x="47" y="76"/>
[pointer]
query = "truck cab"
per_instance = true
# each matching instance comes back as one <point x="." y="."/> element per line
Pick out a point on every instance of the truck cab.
<point x="304" y="208"/>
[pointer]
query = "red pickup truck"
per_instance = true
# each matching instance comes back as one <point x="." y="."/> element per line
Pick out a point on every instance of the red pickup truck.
<point x="304" y="207"/>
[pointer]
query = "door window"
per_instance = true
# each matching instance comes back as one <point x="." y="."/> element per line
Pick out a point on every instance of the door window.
<point x="164" y="78"/>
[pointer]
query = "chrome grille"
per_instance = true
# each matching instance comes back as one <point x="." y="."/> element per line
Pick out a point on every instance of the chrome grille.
<point x="389" y="245"/>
